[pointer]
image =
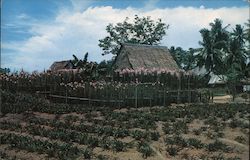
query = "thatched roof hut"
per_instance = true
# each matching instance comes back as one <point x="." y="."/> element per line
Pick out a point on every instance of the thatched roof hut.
<point x="61" y="65"/>
<point x="134" y="56"/>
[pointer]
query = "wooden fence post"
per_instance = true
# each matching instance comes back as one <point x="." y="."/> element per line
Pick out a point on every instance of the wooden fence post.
<point x="164" y="97"/>
<point x="189" y="92"/>
<point x="66" y="98"/>
<point x="151" y="97"/>
<point x="89" y="95"/>
<point x="136" y="96"/>
<point x="179" y="88"/>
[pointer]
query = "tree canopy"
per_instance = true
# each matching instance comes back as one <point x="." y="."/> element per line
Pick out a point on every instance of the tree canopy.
<point x="214" y="46"/>
<point x="141" y="31"/>
<point x="223" y="51"/>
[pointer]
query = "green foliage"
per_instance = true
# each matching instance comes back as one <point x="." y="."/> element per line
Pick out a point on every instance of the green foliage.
<point x="118" y="146"/>
<point x="176" y="140"/>
<point x="138" y="135"/>
<point x="141" y="31"/>
<point x="225" y="53"/>
<point x="220" y="156"/>
<point x="4" y="70"/>
<point x="105" y="67"/>
<point x="184" y="59"/>
<point x="102" y="157"/>
<point x="197" y="131"/>
<point x="80" y="63"/>
<point x="238" y="123"/>
<point x="155" y="136"/>
<point x="180" y="127"/>
<point x="214" y="44"/>
<point x="195" y="143"/>
<point x="12" y="126"/>
<point x="218" y="146"/>
<point x="172" y="151"/>
<point x="211" y="121"/>
<point x="240" y="139"/>
<point x="87" y="153"/>
<point x="71" y="118"/>
<point x="145" y="149"/>
<point x="61" y="151"/>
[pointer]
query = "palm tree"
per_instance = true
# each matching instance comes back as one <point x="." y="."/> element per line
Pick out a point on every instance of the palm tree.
<point x="247" y="31"/>
<point x="247" y="39"/>
<point x="178" y="54"/>
<point x="236" y="59"/>
<point x="189" y="60"/>
<point x="214" y="47"/>
<point x="236" y="50"/>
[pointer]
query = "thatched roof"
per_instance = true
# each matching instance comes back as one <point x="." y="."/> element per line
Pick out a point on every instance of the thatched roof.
<point x="60" y="65"/>
<point x="134" y="56"/>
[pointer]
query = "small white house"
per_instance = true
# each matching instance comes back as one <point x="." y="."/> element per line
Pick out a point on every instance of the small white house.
<point x="217" y="79"/>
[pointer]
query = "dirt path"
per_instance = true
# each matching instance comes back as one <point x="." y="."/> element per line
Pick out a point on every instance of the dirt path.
<point x="244" y="148"/>
<point x="237" y="144"/>
<point x="22" y="154"/>
<point x="159" y="155"/>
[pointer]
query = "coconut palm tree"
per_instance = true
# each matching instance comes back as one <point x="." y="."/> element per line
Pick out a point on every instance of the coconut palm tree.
<point x="236" y="50"/>
<point x="214" y="47"/>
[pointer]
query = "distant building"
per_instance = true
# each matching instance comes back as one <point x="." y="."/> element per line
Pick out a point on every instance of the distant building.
<point x="134" y="56"/>
<point x="61" y="65"/>
<point x="217" y="80"/>
<point x="214" y="80"/>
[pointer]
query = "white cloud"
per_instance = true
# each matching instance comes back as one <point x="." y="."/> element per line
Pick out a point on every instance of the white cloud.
<point x="78" y="32"/>
<point x="202" y="7"/>
<point x="23" y="16"/>
<point x="80" y="5"/>
<point x="150" y="4"/>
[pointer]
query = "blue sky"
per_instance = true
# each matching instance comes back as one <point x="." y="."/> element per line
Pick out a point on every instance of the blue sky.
<point x="34" y="33"/>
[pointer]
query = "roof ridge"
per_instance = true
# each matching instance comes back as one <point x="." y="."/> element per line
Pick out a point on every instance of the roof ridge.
<point x="62" y="61"/>
<point x="143" y="45"/>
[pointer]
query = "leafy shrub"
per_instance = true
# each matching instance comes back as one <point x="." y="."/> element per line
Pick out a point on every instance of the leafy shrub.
<point x="240" y="139"/>
<point x="218" y="146"/>
<point x="197" y="131"/>
<point x="211" y="135"/>
<point x="87" y="153"/>
<point x="105" y="143"/>
<point x="93" y="141"/>
<point x="167" y="128"/>
<point x="102" y="157"/>
<point x="13" y="126"/>
<point x="176" y="140"/>
<point x="218" y="157"/>
<point x="120" y="132"/>
<point x="195" y="143"/>
<point x="234" y="158"/>
<point x="203" y="128"/>
<point x="211" y="121"/>
<point x="180" y="127"/>
<point x="145" y="149"/>
<point x="220" y="134"/>
<point x="61" y="151"/>
<point x="155" y="136"/>
<point x="172" y="151"/>
<point x="118" y="146"/>
<point x="234" y="123"/>
<point x="138" y="135"/>
<point x="71" y="118"/>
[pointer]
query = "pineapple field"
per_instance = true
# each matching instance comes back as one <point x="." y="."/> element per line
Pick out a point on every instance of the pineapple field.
<point x="34" y="128"/>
